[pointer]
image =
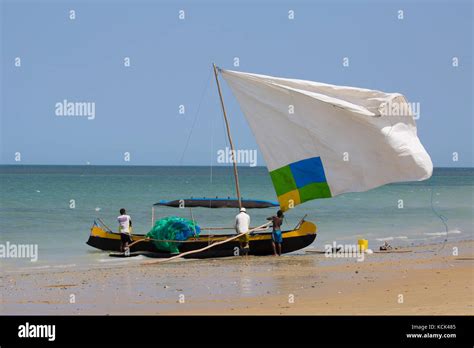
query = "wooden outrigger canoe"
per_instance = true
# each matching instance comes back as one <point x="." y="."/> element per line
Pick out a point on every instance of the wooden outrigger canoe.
<point x="260" y="243"/>
<point x="101" y="237"/>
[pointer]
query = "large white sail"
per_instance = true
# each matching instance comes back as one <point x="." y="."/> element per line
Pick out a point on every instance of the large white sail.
<point x="321" y="140"/>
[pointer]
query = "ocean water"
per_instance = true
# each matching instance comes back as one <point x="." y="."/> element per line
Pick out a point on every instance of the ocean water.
<point x="36" y="207"/>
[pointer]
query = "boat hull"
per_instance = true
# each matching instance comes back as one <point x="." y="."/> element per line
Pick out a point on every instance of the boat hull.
<point x="260" y="244"/>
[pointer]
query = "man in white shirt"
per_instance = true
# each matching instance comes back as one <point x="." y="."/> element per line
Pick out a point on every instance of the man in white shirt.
<point x="125" y="224"/>
<point x="242" y="224"/>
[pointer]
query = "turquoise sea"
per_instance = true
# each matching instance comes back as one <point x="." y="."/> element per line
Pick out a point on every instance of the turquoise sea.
<point x="36" y="206"/>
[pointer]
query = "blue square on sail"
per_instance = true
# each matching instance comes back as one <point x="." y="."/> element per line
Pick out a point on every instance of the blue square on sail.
<point x="308" y="171"/>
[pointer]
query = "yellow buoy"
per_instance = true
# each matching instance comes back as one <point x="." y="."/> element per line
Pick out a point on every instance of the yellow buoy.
<point x="363" y="244"/>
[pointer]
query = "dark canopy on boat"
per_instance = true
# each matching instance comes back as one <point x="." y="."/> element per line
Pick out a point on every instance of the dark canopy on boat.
<point x="216" y="203"/>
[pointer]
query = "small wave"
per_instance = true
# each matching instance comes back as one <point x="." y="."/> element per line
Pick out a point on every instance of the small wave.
<point x="442" y="233"/>
<point x="65" y="266"/>
<point x="391" y="238"/>
<point x="123" y="259"/>
<point x="118" y="259"/>
<point x="35" y="267"/>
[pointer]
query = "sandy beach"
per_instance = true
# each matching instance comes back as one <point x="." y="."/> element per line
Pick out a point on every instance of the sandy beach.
<point x="418" y="280"/>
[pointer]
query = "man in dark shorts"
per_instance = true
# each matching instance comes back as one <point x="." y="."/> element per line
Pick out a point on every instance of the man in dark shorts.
<point x="125" y="224"/>
<point x="277" y="238"/>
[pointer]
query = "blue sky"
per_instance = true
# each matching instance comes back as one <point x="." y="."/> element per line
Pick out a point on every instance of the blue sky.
<point x="137" y="107"/>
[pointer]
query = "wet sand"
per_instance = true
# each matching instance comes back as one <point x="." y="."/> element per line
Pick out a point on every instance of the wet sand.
<point x="422" y="280"/>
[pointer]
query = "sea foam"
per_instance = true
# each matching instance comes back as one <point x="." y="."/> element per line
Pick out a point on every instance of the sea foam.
<point x="442" y="233"/>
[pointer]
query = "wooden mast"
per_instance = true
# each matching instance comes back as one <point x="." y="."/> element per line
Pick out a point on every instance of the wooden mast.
<point x="236" y="174"/>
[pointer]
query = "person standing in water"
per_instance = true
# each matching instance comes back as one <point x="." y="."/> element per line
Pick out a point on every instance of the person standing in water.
<point x="125" y="224"/>
<point x="242" y="224"/>
<point x="277" y="238"/>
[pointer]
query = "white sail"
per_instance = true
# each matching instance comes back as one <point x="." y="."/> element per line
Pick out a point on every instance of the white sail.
<point x="321" y="140"/>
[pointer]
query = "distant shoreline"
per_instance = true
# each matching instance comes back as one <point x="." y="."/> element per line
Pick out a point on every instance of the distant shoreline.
<point x="158" y="165"/>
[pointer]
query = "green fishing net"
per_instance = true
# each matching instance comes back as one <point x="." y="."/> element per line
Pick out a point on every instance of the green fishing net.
<point x="172" y="228"/>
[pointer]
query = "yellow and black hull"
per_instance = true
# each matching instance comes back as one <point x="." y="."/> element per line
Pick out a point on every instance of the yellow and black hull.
<point x="260" y="244"/>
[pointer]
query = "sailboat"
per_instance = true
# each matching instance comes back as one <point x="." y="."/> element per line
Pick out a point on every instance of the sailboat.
<point x="318" y="141"/>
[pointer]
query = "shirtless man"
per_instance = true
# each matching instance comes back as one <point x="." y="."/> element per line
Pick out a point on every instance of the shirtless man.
<point x="277" y="238"/>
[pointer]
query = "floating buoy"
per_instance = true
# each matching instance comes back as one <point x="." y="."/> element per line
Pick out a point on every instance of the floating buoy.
<point x="363" y="244"/>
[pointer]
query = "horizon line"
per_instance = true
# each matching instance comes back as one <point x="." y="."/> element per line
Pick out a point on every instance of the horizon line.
<point x="167" y="165"/>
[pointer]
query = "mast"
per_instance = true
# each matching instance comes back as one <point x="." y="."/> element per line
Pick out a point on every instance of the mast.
<point x="236" y="174"/>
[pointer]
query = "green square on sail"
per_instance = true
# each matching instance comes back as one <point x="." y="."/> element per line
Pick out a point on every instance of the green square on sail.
<point x="283" y="180"/>
<point x="314" y="190"/>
